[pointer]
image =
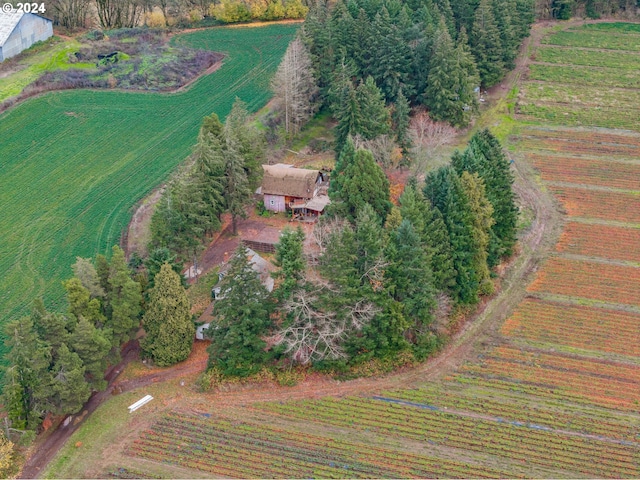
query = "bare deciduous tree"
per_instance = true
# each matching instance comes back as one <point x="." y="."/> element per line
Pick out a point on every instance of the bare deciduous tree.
<point x="317" y="334"/>
<point x="323" y="230"/>
<point x="71" y="14"/>
<point x="295" y="87"/>
<point x="383" y="147"/>
<point x="427" y="137"/>
<point x="119" y="13"/>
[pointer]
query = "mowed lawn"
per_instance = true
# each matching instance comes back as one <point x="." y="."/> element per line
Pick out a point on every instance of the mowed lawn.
<point x="73" y="163"/>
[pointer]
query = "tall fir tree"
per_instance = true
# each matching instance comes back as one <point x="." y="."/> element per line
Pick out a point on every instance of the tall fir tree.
<point x="70" y="390"/>
<point x="27" y="380"/>
<point x="92" y="346"/>
<point x="400" y="119"/>
<point x="370" y="244"/>
<point x="363" y="182"/>
<point x="237" y="347"/>
<point x="167" y="320"/>
<point x="482" y="210"/>
<point x="486" y="45"/>
<point x="289" y="258"/>
<point x="125" y="299"/>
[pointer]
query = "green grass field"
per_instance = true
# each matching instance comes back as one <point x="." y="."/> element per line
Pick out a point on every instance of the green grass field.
<point x="73" y="163"/>
<point x="611" y="39"/>
<point x="601" y="77"/>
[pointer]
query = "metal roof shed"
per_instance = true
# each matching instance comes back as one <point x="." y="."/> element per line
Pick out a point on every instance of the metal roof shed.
<point x="19" y="30"/>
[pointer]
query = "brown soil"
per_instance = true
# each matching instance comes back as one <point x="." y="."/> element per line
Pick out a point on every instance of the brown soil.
<point x="137" y="233"/>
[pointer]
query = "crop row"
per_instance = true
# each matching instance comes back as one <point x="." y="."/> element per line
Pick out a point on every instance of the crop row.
<point x="594" y="39"/>
<point x="587" y="171"/>
<point x="607" y="392"/>
<point x="595" y="280"/>
<point x="603" y="241"/>
<point x="578" y="146"/>
<point x="521" y="444"/>
<point x="588" y="58"/>
<point x="259" y="450"/>
<point x="576" y="326"/>
<point x="522" y="410"/>
<point x="585" y="138"/>
<point x="614" y="27"/>
<point x="588" y="365"/>
<point x="581" y="202"/>
<point x="580" y="76"/>
<point x="591" y="96"/>
<point x="623" y="117"/>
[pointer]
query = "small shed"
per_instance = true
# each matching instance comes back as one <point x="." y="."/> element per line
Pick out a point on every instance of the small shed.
<point x="284" y="185"/>
<point x="20" y="30"/>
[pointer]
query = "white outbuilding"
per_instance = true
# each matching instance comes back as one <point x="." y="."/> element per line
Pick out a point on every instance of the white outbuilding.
<point x="20" y="30"/>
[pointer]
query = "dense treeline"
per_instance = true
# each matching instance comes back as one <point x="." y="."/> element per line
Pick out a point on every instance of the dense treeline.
<point x="431" y="52"/>
<point x="387" y="278"/>
<point x="565" y="9"/>
<point x="56" y="360"/>
<point x="222" y="175"/>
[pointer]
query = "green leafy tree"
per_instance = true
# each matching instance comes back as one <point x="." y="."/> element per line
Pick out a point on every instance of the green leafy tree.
<point x="156" y="259"/>
<point x="237" y="347"/>
<point x="84" y="270"/>
<point x="169" y="331"/>
<point x="81" y="305"/>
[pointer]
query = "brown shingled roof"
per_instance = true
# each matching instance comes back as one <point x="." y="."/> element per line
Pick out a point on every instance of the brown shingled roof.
<point x="291" y="182"/>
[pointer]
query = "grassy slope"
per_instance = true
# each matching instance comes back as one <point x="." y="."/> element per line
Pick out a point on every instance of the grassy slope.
<point x="73" y="163"/>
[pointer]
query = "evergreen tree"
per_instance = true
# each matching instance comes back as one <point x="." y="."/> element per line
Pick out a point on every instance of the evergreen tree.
<point x="69" y="390"/>
<point x="236" y="346"/>
<point x="486" y="45"/>
<point x="338" y="263"/>
<point x="348" y="113"/>
<point x="125" y="299"/>
<point x="392" y="63"/>
<point x="375" y="116"/>
<point x="167" y="321"/>
<point x="444" y="190"/>
<point x="400" y="120"/>
<point x="158" y="257"/>
<point x="409" y="275"/>
<point x="81" y="305"/>
<point x="345" y="158"/>
<point x="482" y="223"/>
<point x="289" y="258"/>
<point x="438" y="241"/>
<point x="370" y="243"/>
<point x="449" y="89"/>
<point x="27" y="380"/>
<point x="92" y="346"/>
<point x="504" y="12"/>
<point x="84" y="270"/>
<point x="364" y="182"/>
<point x="485" y="157"/>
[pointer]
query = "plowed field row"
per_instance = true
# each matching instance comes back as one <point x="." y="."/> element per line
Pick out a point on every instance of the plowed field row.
<point x="617" y="243"/>
<point x="588" y="58"/>
<point x="622" y="116"/>
<point x="527" y="445"/>
<point x="586" y="171"/>
<point x="580" y="202"/>
<point x="579" y="75"/>
<point x="518" y="410"/>
<point x="580" y="146"/>
<point x="586" y="138"/>
<point x="577" y="326"/>
<point x="598" y="281"/>
<point x="241" y="449"/>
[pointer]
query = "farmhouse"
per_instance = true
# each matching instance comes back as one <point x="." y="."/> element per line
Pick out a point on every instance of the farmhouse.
<point x="297" y="189"/>
<point x="19" y="30"/>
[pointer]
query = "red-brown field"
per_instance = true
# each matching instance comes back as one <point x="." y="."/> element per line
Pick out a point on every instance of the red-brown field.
<point x="583" y="202"/>
<point x="594" y="280"/>
<point x="587" y="171"/>
<point x="589" y="137"/>
<point x="588" y="328"/>
<point x="618" y="243"/>
<point x="580" y="147"/>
